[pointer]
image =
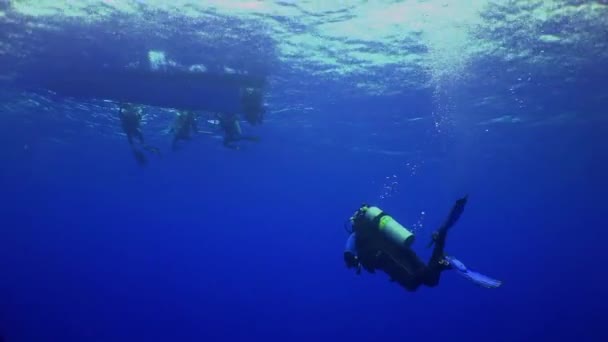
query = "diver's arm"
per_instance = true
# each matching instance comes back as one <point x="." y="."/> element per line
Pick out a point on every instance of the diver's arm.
<point x="350" y="253"/>
<point x="350" y="244"/>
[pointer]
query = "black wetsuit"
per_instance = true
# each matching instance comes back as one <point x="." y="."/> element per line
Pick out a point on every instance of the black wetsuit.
<point x="184" y="127"/>
<point x="421" y="274"/>
<point x="253" y="109"/>
<point x="130" y="121"/>
<point x="409" y="271"/>
<point x="232" y="130"/>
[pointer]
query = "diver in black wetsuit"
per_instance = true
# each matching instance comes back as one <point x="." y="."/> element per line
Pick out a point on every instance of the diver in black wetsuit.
<point x="130" y="118"/>
<point x="253" y="107"/>
<point x="232" y="130"/>
<point x="184" y="127"/>
<point x="378" y="242"/>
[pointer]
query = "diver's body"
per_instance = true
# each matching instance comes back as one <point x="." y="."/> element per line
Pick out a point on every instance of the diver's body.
<point x="232" y="130"/>
<point x="184" y="127"/>
<point x="252" y="104"/>
<point x="130" y="119"/>
<point x="367" y="248"/>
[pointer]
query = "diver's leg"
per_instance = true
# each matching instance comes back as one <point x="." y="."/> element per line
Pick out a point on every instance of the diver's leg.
<point x="408" y="282"/>
<point x="140" y="136"/>
<point x="404" y="266"/>
<point x="438" y="250"/>
<point x="174" y="143"/>
<point x="140" y="157"/>
<point x="418" y="270"/>
<point x="230" y="145"/>
<point x="229" y="142"/>
<point x="152" y="149"/>
<point x="440" y="235"/>
<point x="399" y="274"/>
<point x="437" y="263"/>
<point x="130" y="138"/>
<point x="250" y="138"/>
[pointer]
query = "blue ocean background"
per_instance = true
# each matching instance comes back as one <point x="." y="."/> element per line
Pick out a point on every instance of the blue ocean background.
<point x="406" y="105"/>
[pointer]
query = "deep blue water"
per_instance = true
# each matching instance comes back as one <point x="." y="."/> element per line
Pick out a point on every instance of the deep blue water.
<point x="210" y="244"/>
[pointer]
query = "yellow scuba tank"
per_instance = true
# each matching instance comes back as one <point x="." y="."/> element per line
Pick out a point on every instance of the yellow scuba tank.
<point x="382" y="226"/>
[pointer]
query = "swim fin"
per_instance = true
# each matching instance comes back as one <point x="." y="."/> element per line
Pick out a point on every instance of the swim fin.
<point x="152" y="149"/>
<point x="455" y="213"/>
<point x="140" y="157"/>
<point x="476" y="277"/>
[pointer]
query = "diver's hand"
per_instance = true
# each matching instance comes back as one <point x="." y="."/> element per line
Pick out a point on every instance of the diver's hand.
<point x="352" y="261"/>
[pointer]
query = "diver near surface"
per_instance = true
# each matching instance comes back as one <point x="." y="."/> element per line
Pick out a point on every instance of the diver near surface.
<point x="184" y="127"/>
<point x="253" y="107"/>
<point x="232" y="130"/>
<point x="130" y="119"/>
<point x="378" y="242"/>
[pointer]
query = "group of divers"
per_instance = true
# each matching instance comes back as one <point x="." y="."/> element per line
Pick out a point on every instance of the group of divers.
<point x="376" y="241"/>
<point x="185" y="124"/>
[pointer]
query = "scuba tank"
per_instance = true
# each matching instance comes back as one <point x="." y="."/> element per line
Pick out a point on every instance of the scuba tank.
<point x="373" y="223"/>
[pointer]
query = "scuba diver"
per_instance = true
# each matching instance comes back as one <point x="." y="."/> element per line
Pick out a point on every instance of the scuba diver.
<point x="130" y="118"/>
<point x="251" y="102"/>
<point x="378" y="242"/>
<point x="183" y="127"/>
<point x="232" y="130"/>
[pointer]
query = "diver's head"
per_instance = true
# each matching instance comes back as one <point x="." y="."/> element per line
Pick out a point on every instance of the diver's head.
<point x="131" y="111"/>
<point x="127" y="106"/>
<point x="357" y="220"/>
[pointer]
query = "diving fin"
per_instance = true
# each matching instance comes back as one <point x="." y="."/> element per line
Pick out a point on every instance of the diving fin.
<point x="140" y="157"/>
<point x="475" y="277"/>
<point x="152" y="149"/>
<point x="455" y="213"/>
